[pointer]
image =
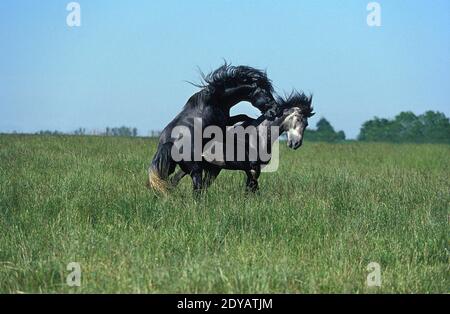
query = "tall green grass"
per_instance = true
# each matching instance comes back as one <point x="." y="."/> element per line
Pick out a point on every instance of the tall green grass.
<point x="315" y="225"/>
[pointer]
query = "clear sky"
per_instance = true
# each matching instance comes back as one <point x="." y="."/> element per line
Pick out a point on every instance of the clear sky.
<point x="127" y="63"/>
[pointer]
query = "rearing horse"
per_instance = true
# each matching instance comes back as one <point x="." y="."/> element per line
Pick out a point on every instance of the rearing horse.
<point x="292" y="118"/>
<point x="222" y="89"/>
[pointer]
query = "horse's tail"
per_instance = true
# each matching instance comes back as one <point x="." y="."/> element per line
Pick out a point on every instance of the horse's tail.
<point x="160" y="169"/>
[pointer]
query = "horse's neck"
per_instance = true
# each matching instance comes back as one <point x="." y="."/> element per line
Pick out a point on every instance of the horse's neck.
<point x="234" y="95"/>
<point x="271" y="129"/>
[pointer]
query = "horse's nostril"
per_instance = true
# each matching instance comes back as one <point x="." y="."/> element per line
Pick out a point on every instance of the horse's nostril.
<point x="297" y="144"/>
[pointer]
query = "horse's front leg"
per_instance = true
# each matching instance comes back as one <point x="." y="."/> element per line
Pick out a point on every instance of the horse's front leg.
<point x="197" y="181"/>
<point x="252" y="179"/>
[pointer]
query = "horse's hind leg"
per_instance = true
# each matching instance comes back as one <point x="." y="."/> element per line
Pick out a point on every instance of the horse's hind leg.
<point x="197" y="181"/>
<point x="252" y="179"/>
<point x="210" y="175"/>
<point x="176" y="178"/>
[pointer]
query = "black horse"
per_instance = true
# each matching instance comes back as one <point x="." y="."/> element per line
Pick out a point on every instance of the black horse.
<point x="221" y="90"/>
<point x="292" y="118"/>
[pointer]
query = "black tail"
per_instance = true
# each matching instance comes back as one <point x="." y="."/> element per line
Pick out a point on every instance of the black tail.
<point x="161" y="168"/>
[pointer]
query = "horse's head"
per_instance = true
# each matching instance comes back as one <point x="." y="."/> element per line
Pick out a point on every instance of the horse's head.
<point x="261" y="98"/>
<point x="295" y="110"/>
<point x="241" y="83"/>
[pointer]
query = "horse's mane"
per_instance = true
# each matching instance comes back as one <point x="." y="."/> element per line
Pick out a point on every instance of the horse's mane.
<point x="228" y="76"/>
<point x="294" y="99"/>
<point x="297" y="99"/>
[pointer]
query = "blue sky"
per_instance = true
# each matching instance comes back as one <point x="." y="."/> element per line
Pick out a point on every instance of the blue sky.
<point x="127" y="63"/>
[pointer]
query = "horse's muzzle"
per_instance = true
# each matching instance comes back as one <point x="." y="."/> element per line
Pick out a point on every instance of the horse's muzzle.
<point x="295" y="144"/>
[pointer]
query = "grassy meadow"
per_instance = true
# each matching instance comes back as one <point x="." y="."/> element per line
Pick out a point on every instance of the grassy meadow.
<point x="315" y="225"/>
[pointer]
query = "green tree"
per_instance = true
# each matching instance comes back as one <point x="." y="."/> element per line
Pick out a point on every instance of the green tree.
<point x="436" y="127"/>
<point x="324" y="132"/>
<point x="407" y="127"/>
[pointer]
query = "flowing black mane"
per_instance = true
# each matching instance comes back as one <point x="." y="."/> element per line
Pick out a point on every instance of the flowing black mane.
<point x="228" y="76"/>
<point x="297" y="99"/>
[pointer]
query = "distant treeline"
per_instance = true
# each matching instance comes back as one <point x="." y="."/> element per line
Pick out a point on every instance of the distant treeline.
<point x="118" y="131"/>
<point x="406" y="127"/>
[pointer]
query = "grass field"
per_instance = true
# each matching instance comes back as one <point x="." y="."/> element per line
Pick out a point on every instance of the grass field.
<point x="316" y="224"/>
